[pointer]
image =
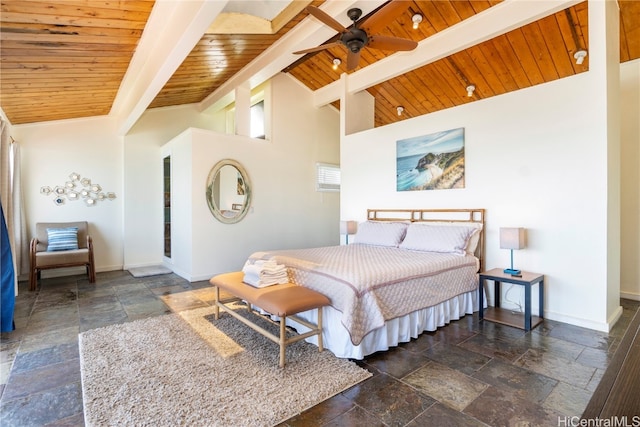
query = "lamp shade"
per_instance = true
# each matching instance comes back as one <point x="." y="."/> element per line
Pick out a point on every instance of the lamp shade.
<point x="348" y="227"/>
<point x="512" y="238"/>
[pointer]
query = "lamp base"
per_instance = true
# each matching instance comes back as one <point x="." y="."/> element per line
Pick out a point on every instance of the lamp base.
<point x="511" y="271"/>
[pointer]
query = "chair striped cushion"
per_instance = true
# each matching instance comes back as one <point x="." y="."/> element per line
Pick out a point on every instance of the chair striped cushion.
<point x="62" y="239"/>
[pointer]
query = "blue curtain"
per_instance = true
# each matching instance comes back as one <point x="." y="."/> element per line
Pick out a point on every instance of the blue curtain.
<point x="7" y="276"/>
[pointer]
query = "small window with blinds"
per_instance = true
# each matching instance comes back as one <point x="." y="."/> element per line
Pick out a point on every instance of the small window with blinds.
<point x="327" y="177"/>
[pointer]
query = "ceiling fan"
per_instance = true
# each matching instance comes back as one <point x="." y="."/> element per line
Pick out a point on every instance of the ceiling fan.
<point x="358" y="35"/>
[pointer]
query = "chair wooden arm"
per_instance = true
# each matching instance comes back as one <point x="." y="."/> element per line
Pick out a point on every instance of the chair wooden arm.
<point x="91" y="267"/>
<point x="33" y="247"/>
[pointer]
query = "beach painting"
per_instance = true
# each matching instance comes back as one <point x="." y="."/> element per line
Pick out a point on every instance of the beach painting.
<point x="431" y="162"/>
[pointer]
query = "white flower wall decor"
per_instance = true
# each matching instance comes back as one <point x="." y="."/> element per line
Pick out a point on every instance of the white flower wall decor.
<point x="77" y="188"/>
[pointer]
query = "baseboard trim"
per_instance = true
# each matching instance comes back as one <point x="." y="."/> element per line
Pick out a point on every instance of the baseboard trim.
<point x="630" y="295"/>
<point x="614" y="317"/>
<point x="576" y="321"/>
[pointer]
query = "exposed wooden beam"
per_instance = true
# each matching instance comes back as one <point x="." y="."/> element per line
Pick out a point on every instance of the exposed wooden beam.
<point x="173" y="29"/>
<point x="308" y="33"/>
<point x="486" y="25"/>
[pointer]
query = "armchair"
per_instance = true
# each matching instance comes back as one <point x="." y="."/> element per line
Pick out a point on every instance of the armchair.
<point x="41" y="259"/>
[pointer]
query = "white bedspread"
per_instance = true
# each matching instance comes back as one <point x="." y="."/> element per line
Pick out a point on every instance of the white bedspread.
<point x="372" y="284"/>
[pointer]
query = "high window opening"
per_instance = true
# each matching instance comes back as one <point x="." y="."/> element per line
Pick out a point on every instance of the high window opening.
<point x="257" y="120"/>
<point x="259" y="113"/>
<point x="327" y="177"/>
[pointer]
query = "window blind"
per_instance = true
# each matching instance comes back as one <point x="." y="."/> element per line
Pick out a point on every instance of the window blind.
<point x="328" y="177"/>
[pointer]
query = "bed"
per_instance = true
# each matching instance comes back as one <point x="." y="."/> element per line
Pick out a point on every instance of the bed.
<point x="406" y="271"/>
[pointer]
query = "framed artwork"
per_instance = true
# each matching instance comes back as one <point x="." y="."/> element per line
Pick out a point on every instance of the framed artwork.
<point x="431" y="162"/>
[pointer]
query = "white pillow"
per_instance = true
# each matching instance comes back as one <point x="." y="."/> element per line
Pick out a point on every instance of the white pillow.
<point x="380" y="233"/>
<point x="473" y="240"/>
<point x="439" y="238"/>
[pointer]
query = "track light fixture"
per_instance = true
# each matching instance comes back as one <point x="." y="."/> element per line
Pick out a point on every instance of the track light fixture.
<point x="336" y="62"/>
<point x="470" y="90"/>
<point x="416" y="19"/>
<point x="579" y="56"/>
<point x="400" y="109"/>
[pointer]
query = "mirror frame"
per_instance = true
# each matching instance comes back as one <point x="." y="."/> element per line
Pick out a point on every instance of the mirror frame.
<point x="215" y="210"/>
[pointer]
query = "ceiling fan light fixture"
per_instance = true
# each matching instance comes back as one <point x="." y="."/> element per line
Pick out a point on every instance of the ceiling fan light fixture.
<point x="336" y="63"/>
<point x="399" y="109"/>
<point x="355" y="45"/>
<point x="470" y="90"/>
<point x="355" y="38"/>
<point x="416" y="19"/>
<point x="579" y="56"/>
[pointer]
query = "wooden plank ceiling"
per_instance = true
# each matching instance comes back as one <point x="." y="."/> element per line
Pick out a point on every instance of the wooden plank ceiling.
<point x="214" y="60"/>
<point x="66" y="59"/>
<point x="536" y="53"/>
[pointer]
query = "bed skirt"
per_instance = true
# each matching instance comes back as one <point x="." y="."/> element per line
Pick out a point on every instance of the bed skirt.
<point x="403" y="329"/>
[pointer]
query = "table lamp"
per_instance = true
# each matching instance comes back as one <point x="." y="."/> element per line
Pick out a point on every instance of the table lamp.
<point x="348" y="227"/>
<point x="512" y="238"/>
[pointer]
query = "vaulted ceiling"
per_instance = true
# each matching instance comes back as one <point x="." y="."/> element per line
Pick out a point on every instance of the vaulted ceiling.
<point x="75" y="58"/>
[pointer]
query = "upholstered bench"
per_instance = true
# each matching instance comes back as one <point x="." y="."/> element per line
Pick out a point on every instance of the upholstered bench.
<point x="284" y="300"/>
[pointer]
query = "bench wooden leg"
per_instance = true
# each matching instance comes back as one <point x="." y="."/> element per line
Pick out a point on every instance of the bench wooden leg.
<point x="320" y="328"/>
<point x="216" y="310"/>
<point x="283" y="339"/>
<point x="255" y="299"/>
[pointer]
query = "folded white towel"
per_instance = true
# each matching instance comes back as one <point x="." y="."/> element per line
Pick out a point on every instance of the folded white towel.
<point x="264" y="263"/>
<point x="261" y="273"/>
<point x="260" y="283"/>
<point x="252" y="269"/>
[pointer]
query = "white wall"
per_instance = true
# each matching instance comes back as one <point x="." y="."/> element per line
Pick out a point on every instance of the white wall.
<point x="203" y="246"/>
<point x="547" y="158"/>
<point x="128" y="231"/>
<point x="143" y="193"/>
<point x="182" y="228"/>
<point x="532" y="160"/>
<point x="53" y="150"/>
<point x="286" y="211"/>
<point x="630" y="179"/>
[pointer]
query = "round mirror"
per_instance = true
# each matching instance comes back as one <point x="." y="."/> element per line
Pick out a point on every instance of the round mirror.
<point x="228" y="191"/>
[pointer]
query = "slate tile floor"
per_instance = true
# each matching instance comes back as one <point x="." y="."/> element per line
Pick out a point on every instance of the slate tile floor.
<point x="469" y="373"/>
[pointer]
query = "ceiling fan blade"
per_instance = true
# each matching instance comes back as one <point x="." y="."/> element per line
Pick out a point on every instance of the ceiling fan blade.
<point x="384" y="15"/>
<point x="318" y="48"/>
<point x="326" y="19"/>
<point x="391" y="43"/>
<point x="352" y="60"/>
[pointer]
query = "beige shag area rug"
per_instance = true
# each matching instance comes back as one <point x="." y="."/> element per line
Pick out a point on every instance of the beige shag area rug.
<point x="188" y="369"/>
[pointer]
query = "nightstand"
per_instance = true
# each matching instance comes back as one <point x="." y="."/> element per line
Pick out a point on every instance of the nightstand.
<point x="496" y="314"/>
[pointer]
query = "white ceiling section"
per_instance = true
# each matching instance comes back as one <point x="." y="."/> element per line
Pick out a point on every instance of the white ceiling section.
<point x="267" y="9"/>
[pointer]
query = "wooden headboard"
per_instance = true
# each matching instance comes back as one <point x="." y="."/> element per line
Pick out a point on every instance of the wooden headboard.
<point x="435" y="215"/>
